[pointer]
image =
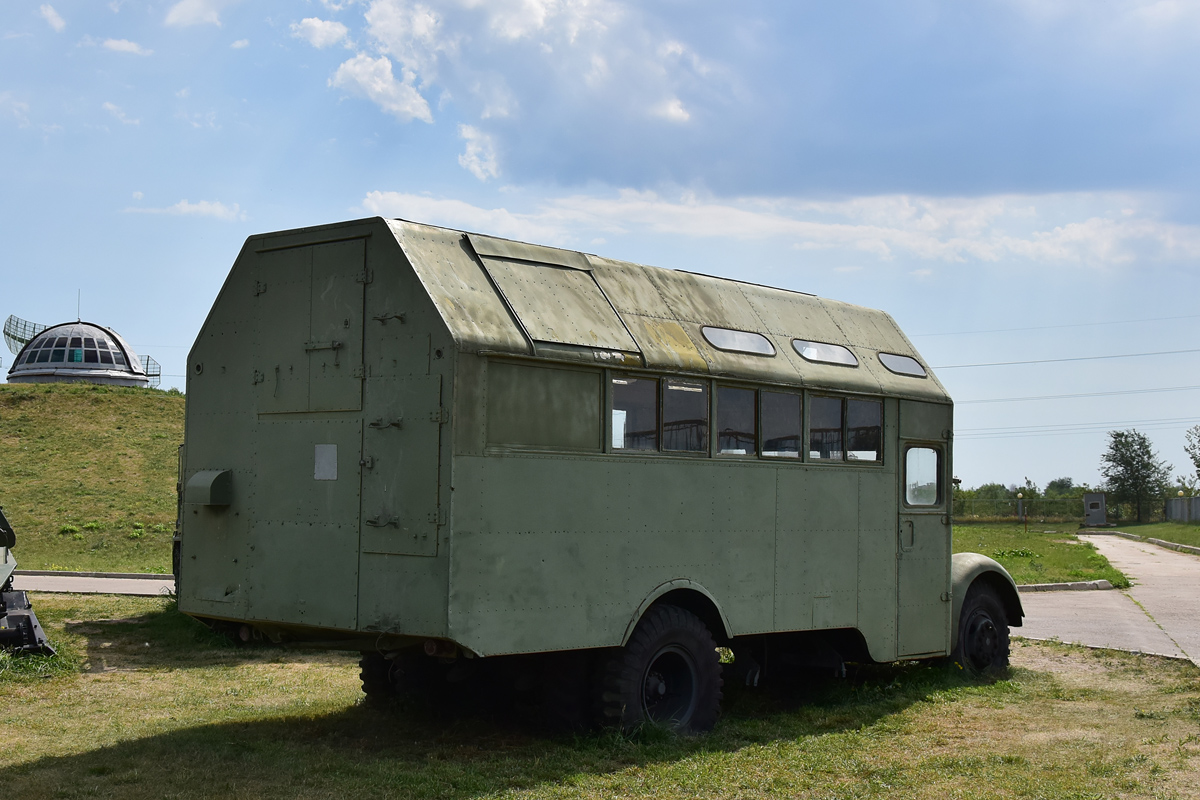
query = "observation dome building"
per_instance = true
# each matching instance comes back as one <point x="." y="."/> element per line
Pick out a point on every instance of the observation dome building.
<point x="78" y="352"/>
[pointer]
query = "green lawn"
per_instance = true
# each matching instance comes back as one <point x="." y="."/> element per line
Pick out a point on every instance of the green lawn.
<point x="1176" y="532"/>
<point x="144" y="703"/>
<point x="87" y="475"/>
<point x="1046" y="554"/>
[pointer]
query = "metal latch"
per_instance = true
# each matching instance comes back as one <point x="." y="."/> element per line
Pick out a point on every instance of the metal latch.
<point x="947" y="597"/>
<point x="367" y="461"/>
<point x="334" y="345"/>
<point x="259" y="288"/>
<point x="258" y="377"/>
<point x="379" y="424"/>
<point x="382" y="521"/>
<point x="383" y="318"/>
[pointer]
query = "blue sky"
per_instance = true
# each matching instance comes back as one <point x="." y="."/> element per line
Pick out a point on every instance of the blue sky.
<point x="1012" y="181"/>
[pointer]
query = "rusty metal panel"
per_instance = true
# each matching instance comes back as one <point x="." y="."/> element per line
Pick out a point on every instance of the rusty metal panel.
<point x="460" y="288"/>
<point x="559" y="304"/>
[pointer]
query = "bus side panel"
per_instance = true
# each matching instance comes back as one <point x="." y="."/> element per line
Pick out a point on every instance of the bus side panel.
<point x="878" y="543"/>
<point x="816" y="568"/>
<point x="557" y="552"/>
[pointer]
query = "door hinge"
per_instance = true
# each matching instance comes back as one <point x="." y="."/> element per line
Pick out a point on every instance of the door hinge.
<point x="379" y="424"/>
<point x="383" y="318"/>
<point x="259" y="288"/>
<point x="258" y="377"/>
<point x="358" y="372"/>
<point x="363" y="277"/>
<point x="947" y="597"/>
<point x="437" y="517"/>
<point x="441" y="416"/>
<point x="367" y="462"/>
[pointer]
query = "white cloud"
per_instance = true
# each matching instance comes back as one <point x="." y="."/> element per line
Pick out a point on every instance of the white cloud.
<point x="240" y="44"/>
<point x="117" y="112"/>
<point x="479" y="158"/>
<point x="186" y="13"/>
<point x="18" y="109"/>
<point x="203" y="208"/>
<point x="52" y="17"/>
<point x="372" y="78"/>
<point x="126" y="46"/>
<point x="671" y="110"/>
<point x="138" y="195"/>
<point x="1080" y="230"/>
<point x="319" y="33"/>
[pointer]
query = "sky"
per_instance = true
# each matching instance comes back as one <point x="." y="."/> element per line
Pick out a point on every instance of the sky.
<point x="1012" y="180"/>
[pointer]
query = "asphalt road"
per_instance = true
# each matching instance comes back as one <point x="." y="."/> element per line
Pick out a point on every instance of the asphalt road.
<point x="1159" y="614"/>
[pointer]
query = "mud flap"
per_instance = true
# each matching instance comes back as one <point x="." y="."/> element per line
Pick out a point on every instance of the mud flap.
<point x="20" y="630"/>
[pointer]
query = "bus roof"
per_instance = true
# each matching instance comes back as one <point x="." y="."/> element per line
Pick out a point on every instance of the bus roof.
<point x="507" y="297"/>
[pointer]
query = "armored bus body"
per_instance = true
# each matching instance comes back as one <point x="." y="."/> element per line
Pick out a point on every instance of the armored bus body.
<point x="430" y="445"/>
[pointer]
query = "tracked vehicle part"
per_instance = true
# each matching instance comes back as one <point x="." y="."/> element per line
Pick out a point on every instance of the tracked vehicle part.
<point x="20" y="630"/>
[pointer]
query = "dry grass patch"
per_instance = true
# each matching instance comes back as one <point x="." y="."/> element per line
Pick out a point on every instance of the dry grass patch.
<point x="151" y="705"/>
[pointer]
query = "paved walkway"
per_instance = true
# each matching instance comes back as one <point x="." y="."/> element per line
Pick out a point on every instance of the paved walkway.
<point x="1159" y="614"/>
<point x="149" y="586"/>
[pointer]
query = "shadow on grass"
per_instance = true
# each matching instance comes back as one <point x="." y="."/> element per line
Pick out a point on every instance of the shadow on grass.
<point x="363" y="751"/>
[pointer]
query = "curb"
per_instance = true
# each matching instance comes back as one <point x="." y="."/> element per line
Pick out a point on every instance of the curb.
<point x="56" y="573"/>
<point x="1179" y="548"/>
<point x="1078" y="586"/>
<point x="1102" y="647"/>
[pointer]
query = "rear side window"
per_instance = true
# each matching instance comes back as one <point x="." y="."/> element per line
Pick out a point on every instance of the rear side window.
<point x="825" y="428"/>
<point x="685" y="416"/>
<point x="736" y="425"/>
<point x="782" y="428"/>
<point x="634" y="413"/>
<point x="864" y="430"/>
<point x="922" y="476"/>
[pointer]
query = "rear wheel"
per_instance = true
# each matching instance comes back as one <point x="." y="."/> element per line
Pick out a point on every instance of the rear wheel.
<point x="668" y="674"/>
<point x="982" y="632"/>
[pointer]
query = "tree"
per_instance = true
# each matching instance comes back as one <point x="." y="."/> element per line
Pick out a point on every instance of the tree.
<point x="1133" y="470"/>
<point x="1192" y="446"/>
<point x="1060" y="487"/>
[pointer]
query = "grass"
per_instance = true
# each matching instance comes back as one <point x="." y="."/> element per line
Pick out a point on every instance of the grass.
<point x="145" y="703"/>
<point x="88" y="475"/>
<point x="1041" y="555"/>
<point x="1177" y="532"/>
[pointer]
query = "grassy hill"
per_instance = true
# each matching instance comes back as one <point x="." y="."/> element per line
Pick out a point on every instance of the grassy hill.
<point x="87" y="475"/>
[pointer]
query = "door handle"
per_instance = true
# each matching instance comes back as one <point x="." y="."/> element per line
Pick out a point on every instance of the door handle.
<point x="908" y="535"/>
<point x="383" y="521"/>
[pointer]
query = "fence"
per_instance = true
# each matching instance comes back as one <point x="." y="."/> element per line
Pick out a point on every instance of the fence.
<point x="967" y="509"/>
<point x="1183" y="509"/>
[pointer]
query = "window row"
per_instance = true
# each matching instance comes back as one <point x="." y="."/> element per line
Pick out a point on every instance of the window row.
<point x="562" y="408"/>
<point x="817" y="352"/>
<point x="74" y="355"/>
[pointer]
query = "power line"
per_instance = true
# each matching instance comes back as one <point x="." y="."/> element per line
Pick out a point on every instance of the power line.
<point x="1062" y="360"/>
<point x="1016" y="432"/>
<point x="1106" y="323"/>
<point x="1072" y="396"/>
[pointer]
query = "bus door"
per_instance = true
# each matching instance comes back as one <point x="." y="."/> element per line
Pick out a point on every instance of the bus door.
<point x="923" y="555"/>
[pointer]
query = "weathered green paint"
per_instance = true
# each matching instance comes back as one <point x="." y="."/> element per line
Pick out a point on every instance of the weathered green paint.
<point x="415" y="423"/>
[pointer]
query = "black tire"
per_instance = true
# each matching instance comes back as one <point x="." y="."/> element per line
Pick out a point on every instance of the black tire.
<point x="375" y="672"/>
<point x="669" y="674"/>
<point x="983" y="643"/>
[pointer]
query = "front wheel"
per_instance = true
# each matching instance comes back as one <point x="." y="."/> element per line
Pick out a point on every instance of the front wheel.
<point x="983" y="644"/>
<point x="668" y="674"/>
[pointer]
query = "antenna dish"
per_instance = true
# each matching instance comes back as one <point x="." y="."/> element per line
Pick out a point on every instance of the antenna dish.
<point x="153" y="371"/>
<point x="18" y="332"/>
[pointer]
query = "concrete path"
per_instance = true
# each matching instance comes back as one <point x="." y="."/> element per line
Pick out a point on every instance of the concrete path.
<point x="1159" y="614"/>
<point x="148" y="586"/>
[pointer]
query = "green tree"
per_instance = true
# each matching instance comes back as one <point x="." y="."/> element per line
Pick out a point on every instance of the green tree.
<point x="1061" y="487"/>
<point x="1191" y="446"/>
<point x="1133" y="470"/>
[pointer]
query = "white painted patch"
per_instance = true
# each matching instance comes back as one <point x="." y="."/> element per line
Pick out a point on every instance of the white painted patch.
<point x="325" y="462"/>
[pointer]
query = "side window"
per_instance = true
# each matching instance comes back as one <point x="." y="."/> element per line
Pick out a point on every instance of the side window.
<point x="781" y="424"/>
<point x="634" y="413"/>
<point x="736" y="428"/>
<point x="825" y="428"/>
<point x="685" y="416"/>
<point x="864" y="430"/>
<point x="922" y="476"/>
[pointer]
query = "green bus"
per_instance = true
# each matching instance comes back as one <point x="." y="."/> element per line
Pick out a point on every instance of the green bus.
<point x="446" y="450"/>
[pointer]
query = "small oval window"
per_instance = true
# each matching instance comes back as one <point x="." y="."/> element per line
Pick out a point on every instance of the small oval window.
<point x="738" y="341"/>
<point x="902" y="365"/>
<point x="823" y="353"/>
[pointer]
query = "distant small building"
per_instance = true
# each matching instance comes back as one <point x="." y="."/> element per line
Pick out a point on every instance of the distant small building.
<point x="80" y="352"/>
